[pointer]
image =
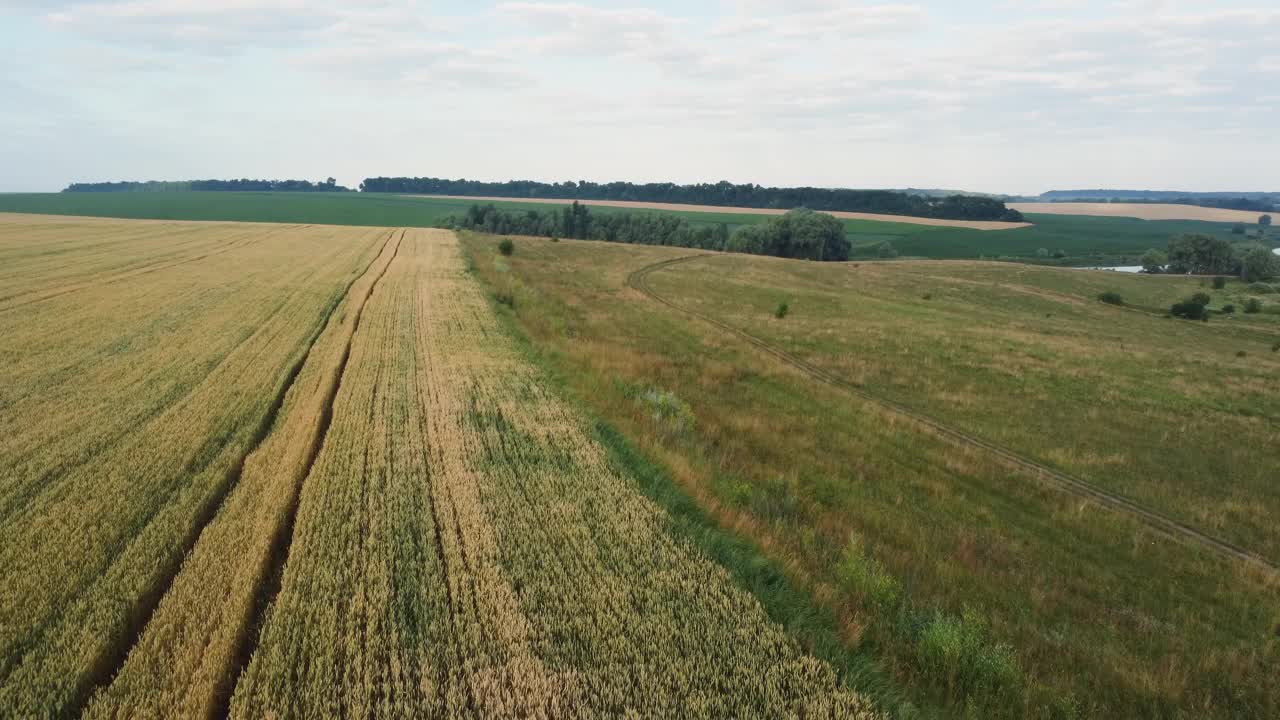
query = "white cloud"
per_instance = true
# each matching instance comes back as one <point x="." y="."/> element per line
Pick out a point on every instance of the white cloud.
<point x="820" y="77"/>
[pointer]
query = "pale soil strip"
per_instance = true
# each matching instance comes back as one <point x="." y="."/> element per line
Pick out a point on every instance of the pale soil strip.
<point x="1153" y="518"/>
<point x="185" y="661"/>
<point x="464" y="550"/>
<point x="909" y="219"/>
<point x="1142" y="211"/>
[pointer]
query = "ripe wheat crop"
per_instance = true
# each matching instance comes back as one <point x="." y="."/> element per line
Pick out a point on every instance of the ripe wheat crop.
<point x="129" y="403"/>
<point x="464" y="549"/>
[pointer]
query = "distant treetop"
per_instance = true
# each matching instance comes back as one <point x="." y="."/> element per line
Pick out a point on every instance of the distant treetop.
<point x="721" y="194"/>
<point x="329" y="185"/>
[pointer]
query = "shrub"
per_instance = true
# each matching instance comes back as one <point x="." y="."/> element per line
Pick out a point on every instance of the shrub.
<point x="1261" y="288"/>
<point x="505" y="297"/>
<point x="956" y="649"/>
<point x="1228" y="309"/>
<point x="781" y="311"/>
<point x="506" y="247"/>
<point x="672" y="414"/>
<point x="1200" y="298"/>
<point x="863" y="575"/>
<point x="555" y="238"/>
<point x="927" y="296"/>
<point x="1111" y="298"/>
<point x="1253" y="305"/>
<point x="1188" y="309"/>
<point x="1237" y="229"/>
<point x="1275" y="347"/>
<point x="1219" y="283"/>
<point x="1241" y="353"/>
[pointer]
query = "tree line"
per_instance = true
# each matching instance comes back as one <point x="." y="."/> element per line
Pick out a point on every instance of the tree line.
<point x="802" y="233"/>
<point x="722" y="194"/>
<point x="241" y="185"/>
<point x="1205" y="255"/>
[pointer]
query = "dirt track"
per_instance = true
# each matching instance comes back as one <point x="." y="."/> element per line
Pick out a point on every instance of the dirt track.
<point x="971" y="224"/>
<point x="1142" y="211"/>
<point x="638" y="280"/>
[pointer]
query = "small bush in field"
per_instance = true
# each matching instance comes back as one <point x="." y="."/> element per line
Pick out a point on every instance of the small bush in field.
<point x="506" y="247"/>
<point x="781" y="311"/>
<point x="958" y="651"/>
<point x="1111" y="298"/>
<point x="863" y="575"/>
<point x="1228" y="309"/>
<point x="1253" y="305"/>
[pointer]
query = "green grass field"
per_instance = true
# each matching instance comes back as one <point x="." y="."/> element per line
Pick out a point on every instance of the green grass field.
<point x="984" y="591"/>
<point x="1084" y="240"/>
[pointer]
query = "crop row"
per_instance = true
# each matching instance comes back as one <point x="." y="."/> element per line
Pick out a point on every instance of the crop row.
<point x="463" y="548"/>
<point x="129" y="408"/>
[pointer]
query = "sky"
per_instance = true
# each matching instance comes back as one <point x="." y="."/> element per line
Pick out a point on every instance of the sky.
<point x="1019" y="96"/>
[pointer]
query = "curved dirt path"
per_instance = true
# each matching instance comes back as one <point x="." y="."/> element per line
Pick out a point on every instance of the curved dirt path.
<point x="638" y="280"/>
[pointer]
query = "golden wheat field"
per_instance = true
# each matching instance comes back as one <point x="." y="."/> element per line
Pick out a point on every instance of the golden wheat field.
<point x="303" y="471"/>
<point x="1142" y="211"/>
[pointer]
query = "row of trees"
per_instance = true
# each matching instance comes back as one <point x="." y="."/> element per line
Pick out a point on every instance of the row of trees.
<point x="1206" y="255"/>
<point x="723" y="193"/>
<point x="799" y="233"/>
<point x="242" y="185"/>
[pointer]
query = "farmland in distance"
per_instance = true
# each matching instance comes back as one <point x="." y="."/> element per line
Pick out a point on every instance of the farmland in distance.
<point x="1064" y="239"/>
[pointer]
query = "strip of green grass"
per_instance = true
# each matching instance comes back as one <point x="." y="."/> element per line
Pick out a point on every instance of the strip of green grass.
<point x="810" y="623"/>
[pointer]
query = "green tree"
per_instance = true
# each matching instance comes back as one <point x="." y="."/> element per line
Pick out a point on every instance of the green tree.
<point x="1264" y="222"/>
<point x="1259" y="264"/>
<point x="1200" y="255"/>
<point x="1153" y="261"/>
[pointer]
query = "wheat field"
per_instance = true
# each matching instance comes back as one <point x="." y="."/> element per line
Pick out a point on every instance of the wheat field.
<point x="286" y="471"/>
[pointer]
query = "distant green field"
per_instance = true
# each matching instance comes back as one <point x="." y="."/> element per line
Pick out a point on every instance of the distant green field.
<point x="1083" y="240"/>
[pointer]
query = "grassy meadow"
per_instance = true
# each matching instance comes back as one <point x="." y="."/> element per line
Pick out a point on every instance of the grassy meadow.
<point x="983" y="591"/>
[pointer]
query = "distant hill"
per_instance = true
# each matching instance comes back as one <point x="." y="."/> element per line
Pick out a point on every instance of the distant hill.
<point x="1251" y="200"/>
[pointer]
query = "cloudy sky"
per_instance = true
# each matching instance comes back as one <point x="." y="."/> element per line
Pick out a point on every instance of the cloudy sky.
<point x="1015" y="96"/>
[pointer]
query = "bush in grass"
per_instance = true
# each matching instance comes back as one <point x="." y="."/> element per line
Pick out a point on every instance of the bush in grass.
<point x="1241" y="353"/>
<point x="1192" y="309"/>
<point x="1219" y="283"/>
<point x="1228" y="309"/>
<point x="781" y="311"/>
<point x="555" y="238"/>
<point x="506" y="297"/>
<point x="1275" y="347"/>
<point x="1111" y="298"/>
<point x="1253" y="305"/>
<point x="673" y="415"/>
<point x="863" y="575"/>
<point x="957" y="651"/>
<point x="1261" y="288"/>
<point x="506" y="247"/>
